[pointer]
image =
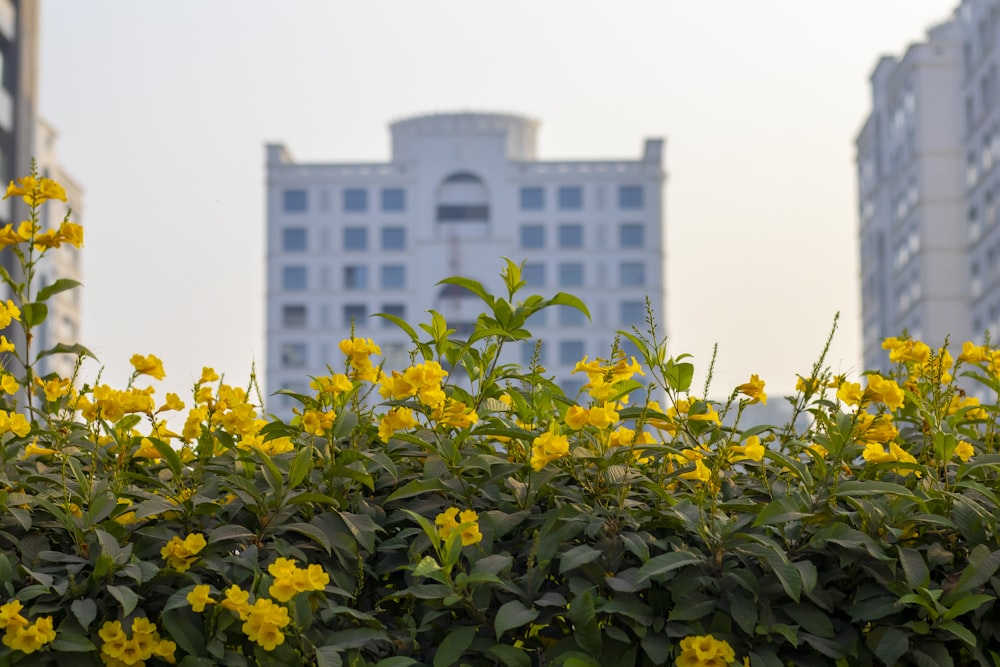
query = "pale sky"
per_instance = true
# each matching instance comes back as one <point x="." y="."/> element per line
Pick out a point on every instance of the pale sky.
<point x="163" y="108"/>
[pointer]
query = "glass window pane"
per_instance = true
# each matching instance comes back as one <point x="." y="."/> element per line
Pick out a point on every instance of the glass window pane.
<point x="570" y="352"/>
<point x="355" y="200"/>
<point x="571" y="236"/>
<point x="532" y="236"/>
<point x="294" y="201"/>
<point x="356" y="313"/>
<point x="293" y="278"/>
<point x="293" y="355"/>
<point x="630" y="197"/>
<point x="355" y="238"/>
<point x="533" y="274"/>
<point x="395" y="309"/>
<point x="393" y="238"/>
<point x="632" y="313"/>
<point x="393" y="199"/>
<point x="355" y="277"/>
<point x="293" y="316"/>
<point x="570" y="198"/>
<point x="632" y="274"/>
<point x="393" y="276"/>
<point x="293" y="239"/>
<point x="571" y="317"/>
<point x="571" y="274"/>
<point x="532" y="199"/>
<point x="631" y="235"/>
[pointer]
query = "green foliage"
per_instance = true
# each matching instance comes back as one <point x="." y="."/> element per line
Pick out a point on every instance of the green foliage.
<point x="464" y="511"/>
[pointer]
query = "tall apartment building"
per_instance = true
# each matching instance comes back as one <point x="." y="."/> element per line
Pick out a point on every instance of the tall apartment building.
<point x="460" y="192"/>
<point x="912" y="195"/>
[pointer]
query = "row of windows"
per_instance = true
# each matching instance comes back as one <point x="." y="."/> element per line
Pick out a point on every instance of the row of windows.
<point x="294" y="316"/>
<point x="355" y="277"/>
<point x="355" y="200"/>
<point x="570" y="198"/>
<point x="296" y="239"/>
<point x="571" y="274"/>
<point x="570" y="235"/>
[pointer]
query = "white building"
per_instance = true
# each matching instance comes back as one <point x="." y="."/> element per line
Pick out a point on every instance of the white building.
<point x="912" y="198"/>
<point x="460" y="191"/>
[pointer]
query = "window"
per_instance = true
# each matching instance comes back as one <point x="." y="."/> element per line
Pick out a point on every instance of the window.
<point x="528" y="353"/>
<point x="570" y="198"/>
<point x="293" y="316"/>
<point x="570" y="352"/>
<point x="355" y="200"/>
<point x="393" y="276"/>
<point x="356" y="314"/>
<point x="632" y="313"/>
<point x="463" y="213"/>
<point x="632" y="274"/>
<point x="571" y="317"/>
<point x="571" y="236"/>
<point x="571" y="274"/>
<point x="532" y="236"/>
<point x="293" y="355"/>
<point x="532" y="199"/>
<point x="355" y="238"/>
<point x="393" y="199"/>
<point x="293" y="239"/>
<point x="630" y="196"/>
<point x="293" y="278"/>
<point x="631" y="235"/>
<point x="394" y="309"/>
<point x="294" y="201"/>
<point x="393" y="238"/>
<point x="355" y="277"/>
<point x="533" y="274"/>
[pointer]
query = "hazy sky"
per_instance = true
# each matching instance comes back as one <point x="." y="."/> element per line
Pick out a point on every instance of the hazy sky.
<point x="163" y="108"/>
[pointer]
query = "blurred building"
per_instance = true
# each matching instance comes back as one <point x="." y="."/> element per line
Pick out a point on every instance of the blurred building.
<point x="912" y="198"/>
<point x="460" y="192"/>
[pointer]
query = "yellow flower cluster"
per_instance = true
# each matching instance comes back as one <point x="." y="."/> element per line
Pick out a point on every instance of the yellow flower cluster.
<point x="318" y="422"/>
<point x="754" y="389"/>
<point x="14" y="422"/>
<point x="879" y="390"/>
<point x="603" y="376"/>
<point x="8" y="313"/>
<point x="455" y="414"/>
<point x="705" y="651"/>
<point x="329" y="387"/>
<point x="262" y="621"/>
<point x="181" y="554"/>
<point x="290" y="579"/>
<point x="111" y="404"/>
<point x="466" y="522"/>
<point x="876" y="453"/>
<point x="21" y="635"/>
<point x="420" y="380"/>
<point x="34" y="191"/>
<point x="359" y="351"/>
<point x="226" y="407"/>
<point x="600" y="416"/>
<point x="397" y="419"/>
<point x="150" y="365"/>
<point x="547" y="448"/>
<point x="119" y="649"/>
<point x="905" y="350"/>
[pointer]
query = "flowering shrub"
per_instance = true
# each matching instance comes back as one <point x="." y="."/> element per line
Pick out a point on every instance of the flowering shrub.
<point x="464" y="510"/>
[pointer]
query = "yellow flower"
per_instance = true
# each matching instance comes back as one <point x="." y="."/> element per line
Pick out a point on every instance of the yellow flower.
<point x="850" y="393"/>
<point x="547" y="448"/>
<point x="705" y="651"/>
<point x="884" y="391"/>
<point x="264" y="622"/>
<point x="33" y="449"/>
<point x="752" y="450"/>
<point x="208" y="375"/>
<point x="29" y="638"/>
<point x="577" y="417"/>
<point x="603" y="416"/>
<point x="14" y="422"/>
<point x="467" y="523"/>
<point x="34" y="190"/>
<point x="332" y="386"/>
<point x="906" y="350"/>
<point x="818" y="449"/>
<point x="199" y="597"/>
<point x="807" y="386"/>
<point x="455" y="414"/>
<point x="6" y="345"/>
<point x="964" y="450"/>
<point x="10" y="614"/>
<point x="754" y="389"/>
<point x="316" y="422"/>
<point x="446" y="522"/>
<point x="237" y="600"/>
<point x="181" y="554"/>
<point x="973" y="354"/>
<point x="9" y="312"/>
<point x="149" y="365"/>
<point x="701" y="473"/>
<point x="397" y="419"/>
<point x="71" y="233"/>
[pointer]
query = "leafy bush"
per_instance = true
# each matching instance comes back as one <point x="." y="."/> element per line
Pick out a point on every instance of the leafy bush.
<point x="465" y="511"/>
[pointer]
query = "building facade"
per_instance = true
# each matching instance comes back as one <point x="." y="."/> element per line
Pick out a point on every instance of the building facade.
<point x="459" y="193"/>
<point x="911" y="195"/>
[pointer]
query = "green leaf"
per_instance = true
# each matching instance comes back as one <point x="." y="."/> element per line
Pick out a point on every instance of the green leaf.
<point x="415" y="488"/>
<point x="915" y="569"/>
<point x="180" y="629"/>
<point x="453" y="646"/>
<point x="967" y="604"/>
<point x="660" y="565"/>
<point x="397" y="661"/>
<point x="564" y="299"/>
<point x="889" y="644"/>
<point x="310" y="531"/>
<point x="85" y="611"/>
<point x="67" y="641"/>
<point x="509" y="655"/>
<point x="60" y="285"/>
<point x="328" y="656"/>
<point x="983" y="564"/>
<point x="512" y="615"/>
<point x="577" y="556"/>
<point x="473" y="286"/>
<point x="169" y="454"/>
<point x="228" y="533"/>
<point x="33" y="314"/>
<point x="960" y="631"/>
<point x="301" y="465"/>
<point x="126" y="597"/>
<point x="62" y="348"/>
<point x="354" y="638"/>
